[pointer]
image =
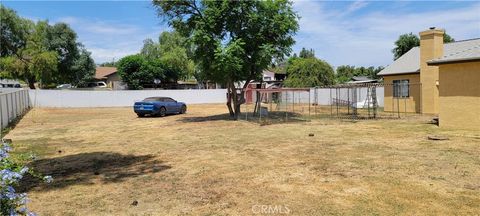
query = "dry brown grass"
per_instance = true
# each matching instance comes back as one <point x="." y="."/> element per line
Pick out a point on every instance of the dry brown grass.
<point x="201" y="164"/>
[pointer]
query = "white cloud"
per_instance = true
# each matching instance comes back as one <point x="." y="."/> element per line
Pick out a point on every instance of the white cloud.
<point x="68" y="20"/>
<point x="368" y="39"/>
<point x="357" y="5"/>
<point x="109" y="40"/>
<point x="338" y="35"/>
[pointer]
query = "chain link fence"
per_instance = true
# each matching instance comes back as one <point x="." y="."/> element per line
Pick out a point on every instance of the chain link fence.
<point x="350" y="101"/>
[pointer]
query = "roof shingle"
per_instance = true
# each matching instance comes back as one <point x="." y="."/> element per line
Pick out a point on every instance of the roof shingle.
<point x="460" y="54"/>
<point x="103" y="72"/>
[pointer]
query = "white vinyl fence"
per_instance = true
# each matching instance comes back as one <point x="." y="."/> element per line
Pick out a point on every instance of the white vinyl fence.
<point x="13" y="103"/>
<point x="79" y="98"/>
<point x="83" y="98"/>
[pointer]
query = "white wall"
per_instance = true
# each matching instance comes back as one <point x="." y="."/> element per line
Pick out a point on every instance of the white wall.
<point x="324" y="95"/>
<point x="79" y="98"/>
<point x="13" y="103"/>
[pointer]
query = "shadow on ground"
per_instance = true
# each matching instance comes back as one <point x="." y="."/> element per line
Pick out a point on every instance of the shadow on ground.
<point x="88" y="168"/>
<point x="272" y="118"/>
<point x="158" y="116"/>
<point x="219" y="117"/>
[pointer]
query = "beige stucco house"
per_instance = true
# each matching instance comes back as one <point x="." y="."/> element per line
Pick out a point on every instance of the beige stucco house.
<point x="110" y="76"/>
<point x="437" y="78"/>
<point x="459" y="88"/>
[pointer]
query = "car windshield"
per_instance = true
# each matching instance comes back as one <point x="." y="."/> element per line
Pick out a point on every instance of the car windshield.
<point x="154" y="99"/>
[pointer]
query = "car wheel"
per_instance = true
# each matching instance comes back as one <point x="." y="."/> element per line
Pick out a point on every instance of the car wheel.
<point x="140" y="115"/>
<point x="162" y="111"/>
<point x="183" y="110"/>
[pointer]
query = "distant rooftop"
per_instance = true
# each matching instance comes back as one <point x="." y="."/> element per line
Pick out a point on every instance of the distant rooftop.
<point x="103" y="72"/>
<point x="361" y="78"/>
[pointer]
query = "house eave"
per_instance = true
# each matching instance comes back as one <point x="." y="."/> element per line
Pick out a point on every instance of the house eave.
<point x="400" y="73"/>
<point x="452" y="61"/>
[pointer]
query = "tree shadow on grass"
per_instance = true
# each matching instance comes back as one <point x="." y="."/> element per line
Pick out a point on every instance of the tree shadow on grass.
<point x="88" y="168"/>
<point x="275" y="117"/>
<point x="218" y="117"/>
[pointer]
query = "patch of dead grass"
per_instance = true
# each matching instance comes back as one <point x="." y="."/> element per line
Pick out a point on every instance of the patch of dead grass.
<point x="201" y="163"/>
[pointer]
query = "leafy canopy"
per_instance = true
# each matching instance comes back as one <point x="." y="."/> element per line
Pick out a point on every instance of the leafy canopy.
<point x="304" y="53"/>
<point x="172" y="52"/>
<point x="40" y="52"/>
<point x="344" y="73"/>
<point x="233" y="40"/>
<point x="131" y="71"/>
<point x="83" y="67"/>
<point x="13" y="31"/>
<point x="166" y="60"/>
<point x="308" y="72"/>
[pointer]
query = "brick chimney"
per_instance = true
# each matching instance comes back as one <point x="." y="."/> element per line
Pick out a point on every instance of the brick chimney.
<point x="431" y="47"/>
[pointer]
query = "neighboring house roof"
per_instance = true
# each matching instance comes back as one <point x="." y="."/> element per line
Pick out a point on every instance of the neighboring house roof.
<point x="407" y="63"/>
<point x="365" y="81"/>
<point x="103" y="72"/>
<point x="410" y="61"/>
<point x="112" y="74"/>
<point x="268" y="76"/>
<point x="268" y="73"/>
<point x="361" y="78"/>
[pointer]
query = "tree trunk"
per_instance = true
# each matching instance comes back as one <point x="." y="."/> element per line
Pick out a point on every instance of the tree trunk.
<point x="31" y="83"/>
<point x="235" y="99"/>
<point x="230" y="93"/>
<point x="236" y="109"/>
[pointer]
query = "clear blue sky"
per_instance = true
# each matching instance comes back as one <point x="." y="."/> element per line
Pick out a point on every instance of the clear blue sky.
<point x="341" y="32"/>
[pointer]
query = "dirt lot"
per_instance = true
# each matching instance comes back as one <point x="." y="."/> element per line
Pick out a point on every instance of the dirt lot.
<point x="103" y="160"/>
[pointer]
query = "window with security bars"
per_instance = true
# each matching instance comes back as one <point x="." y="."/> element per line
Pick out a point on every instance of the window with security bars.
<point x="401" y="88"/>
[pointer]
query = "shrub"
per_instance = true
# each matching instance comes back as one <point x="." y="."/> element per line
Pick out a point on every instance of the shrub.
<point x="11" y="172"/>
<point x="309" y="72"/>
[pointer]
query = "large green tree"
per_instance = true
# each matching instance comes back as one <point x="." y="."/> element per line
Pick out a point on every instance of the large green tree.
<point x="309" y="72"/>
<point x="136" y="70"/>
<point x="39" y="52"/>
<point x="30" y="59"/>
<point x="344" y="73"/>
<point x="173" y="53"/>
<point x="63" y="40"/>
<point x="150" y="49"/>
<point x="233" y="41"/>
<point x="129" y="69"/>
<point x="83" y="68"/>
<point x="405" y="42"/>
<point x="13" y="31"/>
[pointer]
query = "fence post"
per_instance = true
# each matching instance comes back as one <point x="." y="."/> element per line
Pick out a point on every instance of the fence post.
<point x="15" y="95"/>
<point x="8" y="107"/>
<point x="1" y="113"/>
<point x="331" y="103"/>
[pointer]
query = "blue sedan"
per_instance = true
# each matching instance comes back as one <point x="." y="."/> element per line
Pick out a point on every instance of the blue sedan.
<point x="159" y="106"/>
